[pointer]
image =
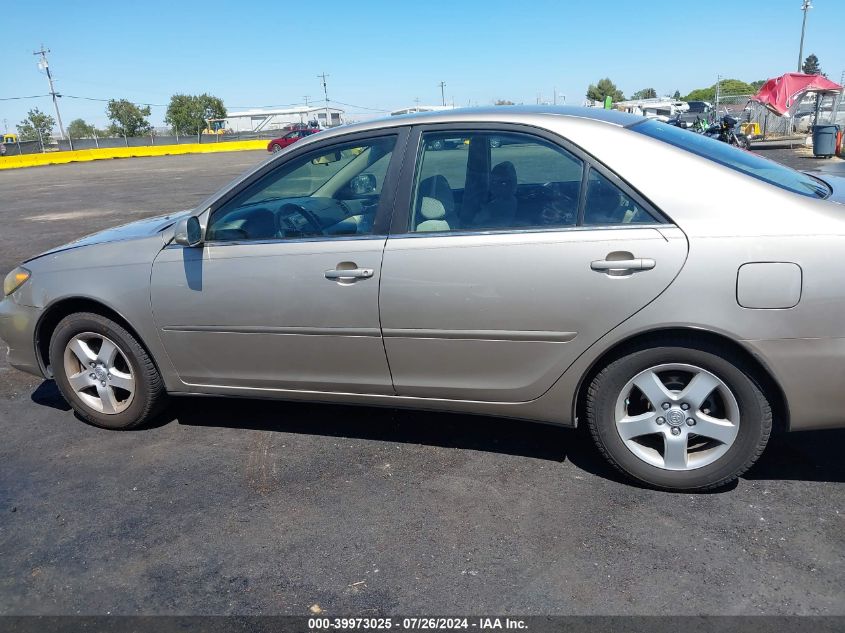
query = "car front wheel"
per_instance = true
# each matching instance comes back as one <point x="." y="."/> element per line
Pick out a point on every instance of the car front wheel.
<point x="276" y="148"/>
<point x="679" y="418"/>
<point x="104" y="373"/>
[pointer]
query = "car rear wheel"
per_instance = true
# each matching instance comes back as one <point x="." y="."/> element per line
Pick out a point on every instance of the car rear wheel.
<point x="679" y="418"/>
<point x="104" y="373"/>
<point x="276" y="148"/>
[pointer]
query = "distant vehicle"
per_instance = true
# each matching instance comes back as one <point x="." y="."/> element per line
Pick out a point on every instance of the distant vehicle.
<point x="278" y="144"/>
<point x="8" y="137"/>
<point x="300" y="126"/>
<point x="699" y="107"/>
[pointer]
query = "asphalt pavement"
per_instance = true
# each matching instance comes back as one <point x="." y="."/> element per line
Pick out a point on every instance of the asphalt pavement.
<point x="243" y="507"/>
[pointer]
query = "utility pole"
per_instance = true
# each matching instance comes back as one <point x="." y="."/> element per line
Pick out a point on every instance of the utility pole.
<point x="326" y="93"/>
<point x="805" y="6"/>
<point x="442" y="85"/>
<point x="42" y="63"/>
<point x="306" y="97"/>
<point x="718" y="88"/>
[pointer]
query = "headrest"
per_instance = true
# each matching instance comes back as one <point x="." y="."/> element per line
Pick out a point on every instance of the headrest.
<point x="432" y="209"/>
<point x="438" y="187"/>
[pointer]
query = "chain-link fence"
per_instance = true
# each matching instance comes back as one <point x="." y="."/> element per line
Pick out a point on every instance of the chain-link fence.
<point x="35" y="147"/>
<point x="798" y="122"/>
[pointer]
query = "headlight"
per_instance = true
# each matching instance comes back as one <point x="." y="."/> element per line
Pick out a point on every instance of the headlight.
<point x="15" y="280"/>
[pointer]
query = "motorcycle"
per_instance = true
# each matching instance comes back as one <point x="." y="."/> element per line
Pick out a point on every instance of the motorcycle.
<point x="725" y="130"/>
<point x="722" y="130"/>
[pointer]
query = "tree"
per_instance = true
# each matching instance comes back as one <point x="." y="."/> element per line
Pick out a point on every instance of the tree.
<point x="645" y="93"/>
<point x="604" y="88"/>
<point x="80" y="129"/>
<point x="677" y="94"/>
<point x="503" y="102"/>
<point x="758" y="84"/>
<point x="127" y="118"/>
<point x="189" y="113"/>
<point x="726" y="87"/>
<point x="811" y="65"/>
<point x="37" y="126"/>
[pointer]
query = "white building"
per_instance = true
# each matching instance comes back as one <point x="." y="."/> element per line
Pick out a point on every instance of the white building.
<point x="276" y="119"/>
<point x="421" y="108"/>
<point x="659" y="107"/>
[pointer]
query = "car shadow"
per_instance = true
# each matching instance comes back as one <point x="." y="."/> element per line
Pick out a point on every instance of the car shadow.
<point x="47" y="394"/>
<point x="803" y="456"/>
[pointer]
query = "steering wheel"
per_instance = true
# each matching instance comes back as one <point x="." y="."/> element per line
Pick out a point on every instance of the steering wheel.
<point x="290" y="208"/>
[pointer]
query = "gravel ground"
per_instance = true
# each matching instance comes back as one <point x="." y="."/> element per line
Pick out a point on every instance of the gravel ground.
<point x="241" y="507"/>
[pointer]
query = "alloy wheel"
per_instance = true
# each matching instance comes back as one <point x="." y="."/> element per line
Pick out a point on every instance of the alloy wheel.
<point x="99" y="373"/>
<point x="677" y="416"/>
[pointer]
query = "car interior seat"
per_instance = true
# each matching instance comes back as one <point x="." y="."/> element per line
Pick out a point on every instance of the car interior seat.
<point x="437" y="187"/>
<point x="433" y="215"/>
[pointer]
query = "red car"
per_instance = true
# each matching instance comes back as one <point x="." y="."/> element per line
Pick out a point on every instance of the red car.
<point x="278" y="144"/>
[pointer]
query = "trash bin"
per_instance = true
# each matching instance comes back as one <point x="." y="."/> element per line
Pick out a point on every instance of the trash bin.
<point x="824" y="140"/>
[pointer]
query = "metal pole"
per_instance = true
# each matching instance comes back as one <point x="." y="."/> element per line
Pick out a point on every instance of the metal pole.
<point x="718" y="86"/>
<point x="45" y="64"/>
<point x="326" y="93"/>
<point x="96" y="140"/>
<point x="806" y="6"/>
<point x="442" y="85"/>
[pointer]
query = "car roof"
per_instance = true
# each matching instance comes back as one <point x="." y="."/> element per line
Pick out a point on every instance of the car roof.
<point x="500" y="114"/>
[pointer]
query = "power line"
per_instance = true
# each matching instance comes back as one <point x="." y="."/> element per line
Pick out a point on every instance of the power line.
<point x="44" y="64"/>
<point x="29" y="97"/>
<point x="360" y="107"/>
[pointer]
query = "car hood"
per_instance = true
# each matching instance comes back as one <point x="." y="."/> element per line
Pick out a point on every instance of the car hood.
<point x="139" y="229"/>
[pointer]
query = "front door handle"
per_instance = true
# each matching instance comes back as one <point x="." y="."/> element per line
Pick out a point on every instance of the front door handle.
<point x="349" y="273"/>
<point x="623" y="264"/>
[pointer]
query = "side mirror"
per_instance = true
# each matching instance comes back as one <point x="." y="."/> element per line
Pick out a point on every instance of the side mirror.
<point x="188" y="231"/>
<point x="363" y="184"/>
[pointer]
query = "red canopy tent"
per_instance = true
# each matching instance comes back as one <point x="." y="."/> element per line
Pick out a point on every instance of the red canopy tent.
<point x="781" y="93"/>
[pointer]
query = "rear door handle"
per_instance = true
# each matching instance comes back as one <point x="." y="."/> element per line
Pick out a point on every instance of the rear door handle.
<point x="623" y="264"/>
<point x="349" y="273"/>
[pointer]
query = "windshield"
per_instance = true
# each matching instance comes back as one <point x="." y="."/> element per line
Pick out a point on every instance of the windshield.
<point x="740" y="160"/>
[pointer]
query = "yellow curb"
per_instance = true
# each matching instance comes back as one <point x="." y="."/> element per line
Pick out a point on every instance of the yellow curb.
<point x="82" y="155"/>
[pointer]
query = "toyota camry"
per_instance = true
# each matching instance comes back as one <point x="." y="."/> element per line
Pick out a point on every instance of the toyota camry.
<point x="678" y="296"/>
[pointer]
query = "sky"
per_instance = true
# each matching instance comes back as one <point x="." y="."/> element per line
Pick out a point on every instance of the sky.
<point x="383" y="55"/>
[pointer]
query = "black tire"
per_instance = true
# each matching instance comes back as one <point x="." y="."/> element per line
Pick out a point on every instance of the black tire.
<point x="276" y="148"/>
<point x="437" y="145"/>
<point x="731" y="368"/>
<point x="149" y="396"/>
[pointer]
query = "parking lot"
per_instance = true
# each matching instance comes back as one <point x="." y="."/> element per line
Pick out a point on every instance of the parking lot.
<point x="240" y="507"/>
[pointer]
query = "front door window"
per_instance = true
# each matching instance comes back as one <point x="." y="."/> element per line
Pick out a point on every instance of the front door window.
<point x="326" y="193"/>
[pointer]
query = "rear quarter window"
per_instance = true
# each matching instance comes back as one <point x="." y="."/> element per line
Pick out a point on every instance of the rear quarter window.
<point x="739" y="160"/>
